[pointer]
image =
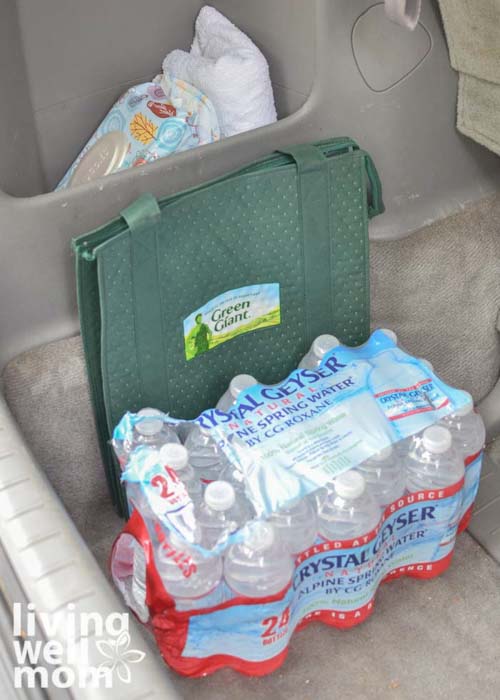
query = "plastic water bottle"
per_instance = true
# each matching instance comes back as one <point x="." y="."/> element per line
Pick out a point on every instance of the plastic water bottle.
<point x="205" y="457"/>
<point x="296" y="526"/>
<point x="433" y="463"/>
<point x="348" y="510"/>
<point x="240" y="383"/>
<point x="260" y="566"/>
<point x="220" y="514"/>
<point x="320" y="347"/>
<point x="467" y="430"/>
<point x="152" y="430"/>
<point x="177" y="458"/>
<point x="187" y="573"/>
<point x="385" y="476"/>
<point x="138" y="466"/>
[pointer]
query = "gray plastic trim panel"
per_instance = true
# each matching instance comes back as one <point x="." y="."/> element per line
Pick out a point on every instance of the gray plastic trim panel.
<point x="55" y="568"/>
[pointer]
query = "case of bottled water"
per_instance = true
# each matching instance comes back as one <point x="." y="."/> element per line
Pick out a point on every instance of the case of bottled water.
<point x="292" y="503"/>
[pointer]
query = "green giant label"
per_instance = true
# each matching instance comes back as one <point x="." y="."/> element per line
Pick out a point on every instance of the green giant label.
<point x="229" y="315"/>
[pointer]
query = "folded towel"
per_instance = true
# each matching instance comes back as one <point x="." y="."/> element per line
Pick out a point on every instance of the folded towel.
<point x="472" y="31"/>
<point x="227" y="66"/>
<point x="478" y="111"/>
<point x="472" y="34"/>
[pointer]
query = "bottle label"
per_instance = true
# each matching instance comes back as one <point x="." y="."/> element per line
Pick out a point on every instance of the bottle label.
<point x="229" y="315"/>
<point x="333" y="582"/>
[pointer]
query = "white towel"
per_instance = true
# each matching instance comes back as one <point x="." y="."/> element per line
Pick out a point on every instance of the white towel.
<point x="227" y="66"/>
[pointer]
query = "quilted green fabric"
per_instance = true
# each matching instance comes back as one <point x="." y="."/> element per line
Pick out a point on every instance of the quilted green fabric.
<point x="298" y="219"/>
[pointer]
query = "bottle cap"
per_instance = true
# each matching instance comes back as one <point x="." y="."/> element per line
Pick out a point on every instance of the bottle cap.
<point x="468" y="408"/>
<point x="383" y="454"/>
<point x="390" y="334"/>
<point x="436" y="439"/>
<point x="427" y="364"/>
<point x="150" y="413"/>
<point x="151" y="422"/>
<point x="240" y="383"/>
<point x="350" y="485"/>
<point x="323" y="344"/>
<point x="220" y="495"/>
<point x="105" y="157"/>
<point x="175" y="456"/>
<point x="260" y="536"/>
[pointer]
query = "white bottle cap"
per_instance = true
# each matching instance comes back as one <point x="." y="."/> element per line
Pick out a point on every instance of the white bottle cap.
<point x="468" y="408"/>
<point x="323" y="344"/>
<point x="436" y="439"/>
<point x="260" y="536"/>
<point x="150" y="412"/>
<point x="175" y="456"/>
<point x="240" y="383"/>
<point x="220" y="495"/>
<point x="383" y="454"/>
<point x="151" y="423"/>
<point x="390" y="334"/>
<point x="350" y="485"/>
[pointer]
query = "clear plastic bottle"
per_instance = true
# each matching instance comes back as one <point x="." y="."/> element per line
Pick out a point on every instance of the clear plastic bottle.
<point x="205" y="457"/>
<point x="240" y="383"/>
<point x="221" y="513"/>
<point x="347" y="511"/>
<point x="138" y="466"/>
<point x="320" y="347"/>
<point x="177" y="457"/>
<point x="467" y="429"/>
<point x="296" y="526"/>
<point x="385" y="476"/>
<point x="152" y="430"/>
<point x="433" y="463"/>
<point x="260" y="566"/>
<point x="187" y="573"/>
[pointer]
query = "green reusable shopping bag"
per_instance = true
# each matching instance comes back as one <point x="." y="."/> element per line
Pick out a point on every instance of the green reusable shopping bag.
<point x="238" y="275"/>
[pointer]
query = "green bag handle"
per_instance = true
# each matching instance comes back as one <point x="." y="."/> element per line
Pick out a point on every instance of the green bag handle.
<point x="314" y="198"/>
<point x="375" y="203"/>
<point x="143" y="217"/>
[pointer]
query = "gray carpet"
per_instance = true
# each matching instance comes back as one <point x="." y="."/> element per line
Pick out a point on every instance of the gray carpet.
<point x="440" y="290"/>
